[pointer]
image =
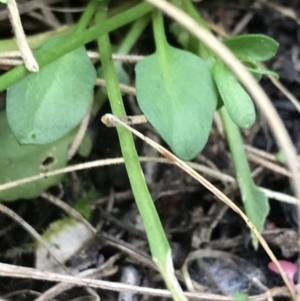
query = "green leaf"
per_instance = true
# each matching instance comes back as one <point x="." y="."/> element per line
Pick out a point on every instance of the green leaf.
<point x="4" y="1"/>
<point x="176" y="93"/>
<point x="255" y="201"/>
<point x="20" y="161"/>
<point x="44" y="106"/>
<point x="237" y="101"/>
<point x="252" y="47"/>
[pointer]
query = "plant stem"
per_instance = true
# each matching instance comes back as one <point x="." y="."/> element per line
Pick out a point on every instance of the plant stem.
<point x="86" y="17"/>
<point x="158" y="243"/>
<point x="137" y="181"/>
<point x="255" y="201"/>
<point x="159" y="31"/>
<point x="75" y="41"/>
<point x="133" y="35"/>
<point x="195" y="45"/>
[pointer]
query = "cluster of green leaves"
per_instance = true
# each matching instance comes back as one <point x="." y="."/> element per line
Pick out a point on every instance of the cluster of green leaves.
<point x="179" y="91"/>
<point x="43" y="109"/>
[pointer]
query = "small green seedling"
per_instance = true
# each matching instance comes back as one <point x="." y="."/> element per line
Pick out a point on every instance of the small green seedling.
<point x="178" y="91"/>
<point x="178" y="97"/>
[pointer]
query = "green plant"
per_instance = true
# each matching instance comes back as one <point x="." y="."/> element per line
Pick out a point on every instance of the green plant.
<point x="178" y="91"/>
<point x="180" y="104"/>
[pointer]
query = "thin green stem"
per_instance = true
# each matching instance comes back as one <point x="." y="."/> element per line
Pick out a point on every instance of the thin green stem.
<point x="137" y="181"/>
<point x="235" y="142"/>
<point x="189" y="7"/>
<point x="159" y="31"/>
<point x="133" y="35"/>
<point x="76" y="40"/>
<point x="158" y="242"/>
<point x="87" y="15"/>
<point x="195" y="45"/>
<point x="255" y="201"/>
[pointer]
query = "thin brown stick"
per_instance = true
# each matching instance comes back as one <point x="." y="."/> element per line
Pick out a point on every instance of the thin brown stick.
<point x="8" y="270"/>
<point x="285" y="92"/>
<point x="111" y="119"/>
<point x="27" y="55"/>
<point x="91" y="273"/>
<point x="99" y="163"/>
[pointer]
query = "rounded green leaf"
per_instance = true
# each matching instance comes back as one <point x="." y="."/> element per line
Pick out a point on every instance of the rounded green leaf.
<point x="44" y="106"/>
<point x="175" y="91"/>
<point x="237" y="101"/>
<point x="252" y="47"/>
<point x="20" y="161"/>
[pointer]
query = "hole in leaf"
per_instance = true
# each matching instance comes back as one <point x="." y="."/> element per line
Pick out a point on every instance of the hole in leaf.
<point x="48" y="161"/>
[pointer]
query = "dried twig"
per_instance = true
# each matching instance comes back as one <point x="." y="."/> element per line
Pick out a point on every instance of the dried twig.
<point x="109" y="119"/>
<point x="27" y="55"/>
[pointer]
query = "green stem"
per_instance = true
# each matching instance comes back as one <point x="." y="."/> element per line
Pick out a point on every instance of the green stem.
<point x="133" y="35"/>
<point x="158" y="242"/>
<point x="255" y="201"/>
<point x="86" y="17"/>
<point x="195" y="45"/>
<point x="235" y="143"/>
<point x="192" y="11"/>
<point x="159" y="31"/>
<point x="137" y="181"/>
<point x="76" y="40"/>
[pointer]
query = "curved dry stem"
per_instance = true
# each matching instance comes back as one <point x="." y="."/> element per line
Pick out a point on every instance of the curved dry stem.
<point x="282" y="197"/>
<point x="23" y="272"/>
<point x="109" y="120"/>
<point x="27" y="55"/>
